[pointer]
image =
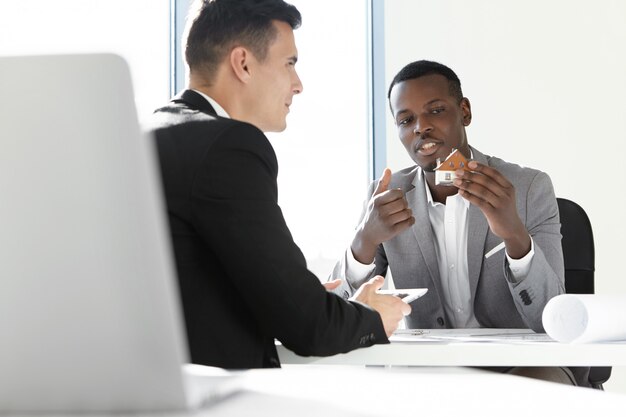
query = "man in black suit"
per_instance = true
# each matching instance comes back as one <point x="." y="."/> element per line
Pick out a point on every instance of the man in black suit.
<point x="243" y="280"/>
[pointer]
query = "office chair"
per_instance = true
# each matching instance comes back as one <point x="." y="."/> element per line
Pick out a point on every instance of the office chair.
<point x="579" y="258"/>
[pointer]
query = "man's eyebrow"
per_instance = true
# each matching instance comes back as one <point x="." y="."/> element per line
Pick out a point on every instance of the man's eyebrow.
<point x="399" y="112"/>
<point x="432" y="101"/>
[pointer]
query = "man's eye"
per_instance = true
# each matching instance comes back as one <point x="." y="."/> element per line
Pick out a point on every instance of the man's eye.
<point x="405" y="121"/>
<point x="437" y="110"/>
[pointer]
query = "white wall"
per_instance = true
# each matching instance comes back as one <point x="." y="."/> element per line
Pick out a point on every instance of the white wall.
<point x="138" y="30"/>
<point x="547" y="83"/>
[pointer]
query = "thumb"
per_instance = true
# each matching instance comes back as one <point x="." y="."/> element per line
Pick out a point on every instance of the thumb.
<point x="377" y="282"/>
<point x="383" y="182"/>
<point x="331" y="285"/>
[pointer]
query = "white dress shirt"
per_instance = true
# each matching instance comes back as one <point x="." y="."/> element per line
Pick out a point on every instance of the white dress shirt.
<point x="450" y="231"/>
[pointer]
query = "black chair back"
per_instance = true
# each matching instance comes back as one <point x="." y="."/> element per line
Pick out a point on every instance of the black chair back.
<point x="579" y="259"/>
<point x="578" y="248"/>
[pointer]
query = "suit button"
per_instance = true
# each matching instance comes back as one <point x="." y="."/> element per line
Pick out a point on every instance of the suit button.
<point x="368" y="338"/>
<point x="440" y="321"/>
<point x="525" y="297"/>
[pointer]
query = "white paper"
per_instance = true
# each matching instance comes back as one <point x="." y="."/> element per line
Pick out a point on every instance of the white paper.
<point x="581" y="318"/>
<point x="479" y="335"/>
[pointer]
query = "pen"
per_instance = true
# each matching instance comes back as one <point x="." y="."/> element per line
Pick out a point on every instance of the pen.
<point x="494" y="250"/>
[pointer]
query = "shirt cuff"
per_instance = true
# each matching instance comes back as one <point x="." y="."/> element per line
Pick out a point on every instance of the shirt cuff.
<point x="355" y="269"/>
<point x="520" y="267"/>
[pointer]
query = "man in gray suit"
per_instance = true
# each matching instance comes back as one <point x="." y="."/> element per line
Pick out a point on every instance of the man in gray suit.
<point x="488" y="248"/>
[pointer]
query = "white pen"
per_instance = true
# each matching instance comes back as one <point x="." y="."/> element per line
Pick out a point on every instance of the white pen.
<point x="494" y="250"/>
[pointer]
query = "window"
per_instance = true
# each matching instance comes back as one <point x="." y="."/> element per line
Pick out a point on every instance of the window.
<point x="324" y="154"/>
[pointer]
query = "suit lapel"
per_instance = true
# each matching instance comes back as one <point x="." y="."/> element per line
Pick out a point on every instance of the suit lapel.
<point x="422" y="229"/>
<point x="477" y="234"/>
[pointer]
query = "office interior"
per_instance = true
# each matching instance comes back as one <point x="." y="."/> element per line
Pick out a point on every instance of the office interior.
<point x="545" y="80"/>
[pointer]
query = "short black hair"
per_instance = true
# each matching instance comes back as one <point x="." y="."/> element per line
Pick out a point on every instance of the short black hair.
<point x="214" y="27"/>
<point x="421" y="68"/>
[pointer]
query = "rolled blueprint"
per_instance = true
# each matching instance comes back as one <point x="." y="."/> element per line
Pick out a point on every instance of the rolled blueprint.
<point x="581" y="318"/>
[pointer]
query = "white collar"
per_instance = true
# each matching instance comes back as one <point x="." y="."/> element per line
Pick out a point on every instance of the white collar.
<point x="218" y="109"/>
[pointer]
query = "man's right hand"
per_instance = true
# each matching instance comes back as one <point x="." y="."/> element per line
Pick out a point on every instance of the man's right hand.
<point x="387" y="215"/>
<point x="391" y="308"/>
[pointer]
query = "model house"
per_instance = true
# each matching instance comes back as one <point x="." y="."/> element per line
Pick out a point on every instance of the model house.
<point x="444" y="173"/>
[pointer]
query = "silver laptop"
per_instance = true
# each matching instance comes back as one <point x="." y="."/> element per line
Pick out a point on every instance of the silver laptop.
<point x="89" y="313"/>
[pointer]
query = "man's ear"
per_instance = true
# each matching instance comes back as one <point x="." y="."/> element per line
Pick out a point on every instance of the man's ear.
<point x="466" y="109"/>
<point x="239" y="60"/>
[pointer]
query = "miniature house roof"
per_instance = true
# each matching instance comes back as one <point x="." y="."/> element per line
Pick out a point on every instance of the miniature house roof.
<point x="454" y="161"/>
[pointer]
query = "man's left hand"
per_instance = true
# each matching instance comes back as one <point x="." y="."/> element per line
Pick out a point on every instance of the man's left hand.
<point x="494" y="195"/>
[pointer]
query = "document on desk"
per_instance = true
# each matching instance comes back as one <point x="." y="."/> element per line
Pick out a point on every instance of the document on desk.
<point x="516" y="336"/>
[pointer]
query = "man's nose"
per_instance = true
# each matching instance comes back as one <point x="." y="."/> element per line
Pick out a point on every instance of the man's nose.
<point x="297" y="85"/>
<point x="422" y="126"/>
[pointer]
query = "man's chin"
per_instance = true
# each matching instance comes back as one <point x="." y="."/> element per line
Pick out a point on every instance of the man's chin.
<point x="430" y="167"/>
<point x="275" y="128"/>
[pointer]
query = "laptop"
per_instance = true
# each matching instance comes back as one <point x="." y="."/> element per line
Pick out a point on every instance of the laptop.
<point x="89" y="311"/>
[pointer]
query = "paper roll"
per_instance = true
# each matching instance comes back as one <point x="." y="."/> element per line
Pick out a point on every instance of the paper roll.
<point x="581" y="318"/>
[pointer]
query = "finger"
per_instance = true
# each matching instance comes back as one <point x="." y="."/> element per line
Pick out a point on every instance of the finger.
<point x="331" y="285"/>
<point x="401" y="219"/>
<point x="402" y="226"/>
<point x="383" y="182"/>
<point x="478" y="190"/>
<point x="390" y="196"/>
<point x="391" y="202"/>
<point x="406" y="309"/>
<point x="489" y="172"/>
<point x="485" y="174"/>
<point x="377" y="282"/>
<point x="482" y="204"/>
<point x="489" y="183"/>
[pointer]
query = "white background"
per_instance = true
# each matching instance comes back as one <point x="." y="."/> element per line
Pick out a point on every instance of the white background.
<point x="323" y="154"/>
<point x="547" y="83"/>
<point x="138" y="30"/>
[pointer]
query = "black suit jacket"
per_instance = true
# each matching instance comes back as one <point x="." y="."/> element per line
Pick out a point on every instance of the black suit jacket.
<point x="243" y="280"/>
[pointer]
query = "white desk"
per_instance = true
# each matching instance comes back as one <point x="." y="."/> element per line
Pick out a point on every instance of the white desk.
<point x="427" y="352"/>
<point x="348" y="391"/>
<point x="314" y="391"/>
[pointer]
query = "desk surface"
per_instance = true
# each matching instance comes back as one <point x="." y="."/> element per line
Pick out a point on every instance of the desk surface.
<point x="329" y="391"/>
<point x="485" y="347"/>
<point x="348" y="391"/>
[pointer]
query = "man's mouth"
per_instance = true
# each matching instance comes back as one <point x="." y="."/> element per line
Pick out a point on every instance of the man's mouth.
<point x="428" y="148"/>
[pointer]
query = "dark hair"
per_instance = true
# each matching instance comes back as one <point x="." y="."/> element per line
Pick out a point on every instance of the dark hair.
<point x="214" y="27"/>
<point x="421" y="68"/>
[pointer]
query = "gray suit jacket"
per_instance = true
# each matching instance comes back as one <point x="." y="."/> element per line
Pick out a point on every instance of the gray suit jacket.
<point x="498" y="303"/>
